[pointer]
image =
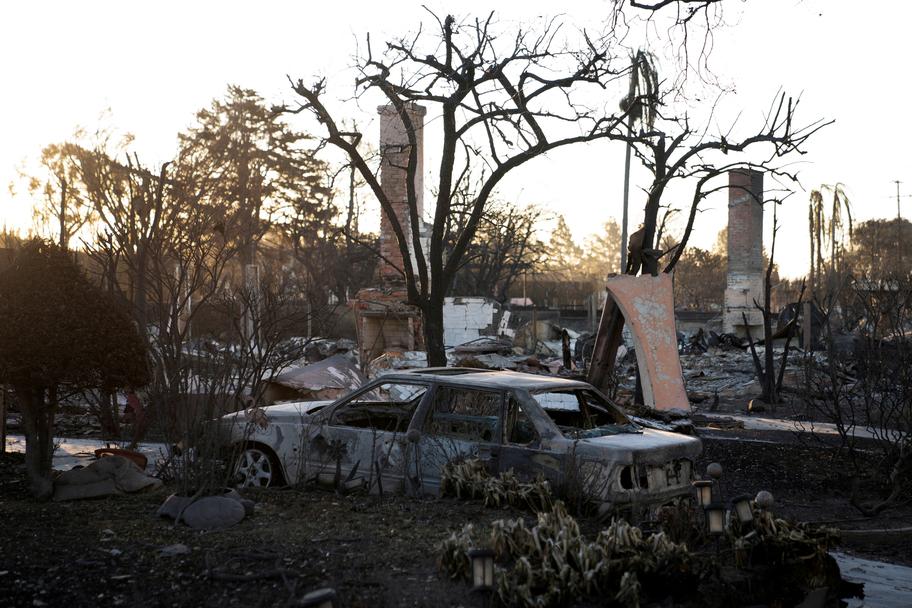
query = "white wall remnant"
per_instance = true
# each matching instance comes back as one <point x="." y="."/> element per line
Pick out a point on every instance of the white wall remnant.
<point x="465" y="319"/>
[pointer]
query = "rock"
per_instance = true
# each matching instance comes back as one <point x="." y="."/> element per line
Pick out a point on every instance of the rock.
<point x="173" y="505"/>
<point x="172" y="550"/>
<point x="213" y="512"/>
<point x="248" y="504"/>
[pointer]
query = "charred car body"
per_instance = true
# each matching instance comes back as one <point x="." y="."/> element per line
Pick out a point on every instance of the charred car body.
<point x="398" y="431"/>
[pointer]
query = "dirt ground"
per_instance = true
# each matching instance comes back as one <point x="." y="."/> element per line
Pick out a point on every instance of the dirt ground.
<point x="374" y="552"/>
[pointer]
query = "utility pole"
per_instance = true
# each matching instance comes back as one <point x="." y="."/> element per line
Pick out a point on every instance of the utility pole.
<point x="626" y="197"/>
<point x="897" y="182"/>
<point x="899" y="244"/>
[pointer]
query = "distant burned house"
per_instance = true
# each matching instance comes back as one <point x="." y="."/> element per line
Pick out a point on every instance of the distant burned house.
<point x="324" y="380"/>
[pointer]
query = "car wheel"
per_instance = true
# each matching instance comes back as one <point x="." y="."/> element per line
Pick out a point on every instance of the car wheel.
<point x="256" y="468"/>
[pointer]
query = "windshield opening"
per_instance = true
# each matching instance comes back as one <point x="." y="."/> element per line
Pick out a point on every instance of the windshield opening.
<point x="582" y="413"/>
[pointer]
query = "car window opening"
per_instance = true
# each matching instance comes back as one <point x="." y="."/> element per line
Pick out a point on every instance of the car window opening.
<point x="519" y="427"/>
<point x="583" y="414"/>
<point x="466" y="414"/>
<point x="388" y="407"/>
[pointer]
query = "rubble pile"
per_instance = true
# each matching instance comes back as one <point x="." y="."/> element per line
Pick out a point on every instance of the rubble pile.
<point x="728" y="374"/>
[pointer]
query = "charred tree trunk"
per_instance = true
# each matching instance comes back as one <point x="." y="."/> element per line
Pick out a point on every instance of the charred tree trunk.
<point x="641" y="254"/>
<point x="432" y="315"/>
<point x="62" y="214"/>
<point x="607" y="341"/>
<point x="38" y="409"/>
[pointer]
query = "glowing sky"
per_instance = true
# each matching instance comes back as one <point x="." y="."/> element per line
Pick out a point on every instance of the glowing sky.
<point x="153" y="64"/>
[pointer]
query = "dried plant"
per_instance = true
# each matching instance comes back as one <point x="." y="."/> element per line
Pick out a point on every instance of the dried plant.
<point x="469" y="478"/>
<point x="551" y="563"/>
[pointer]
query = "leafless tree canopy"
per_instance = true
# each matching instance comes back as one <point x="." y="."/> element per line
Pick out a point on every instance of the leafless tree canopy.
<point x="503" y="98"/>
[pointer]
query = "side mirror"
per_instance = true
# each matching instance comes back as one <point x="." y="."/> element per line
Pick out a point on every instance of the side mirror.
<point x="413" y="435"/>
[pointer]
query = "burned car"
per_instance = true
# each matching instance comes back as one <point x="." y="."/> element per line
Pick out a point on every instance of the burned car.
<point x="398" y="431"/>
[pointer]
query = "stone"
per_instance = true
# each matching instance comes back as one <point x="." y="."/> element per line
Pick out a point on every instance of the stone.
<point x="213" y="513"/>
<point x="248" y="504"/>
<point x="173" y="505"/>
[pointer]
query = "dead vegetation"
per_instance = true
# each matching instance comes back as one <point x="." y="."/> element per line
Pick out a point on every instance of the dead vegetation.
<point x="867" y="392"/>
<point x="469" y="478"/>
<point x="552" y="563"/>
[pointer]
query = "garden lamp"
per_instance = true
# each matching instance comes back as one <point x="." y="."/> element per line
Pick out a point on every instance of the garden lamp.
<point x="482" y="569"/>
<point x="715" y="518"/>
<point x="714" y="470"/>
<point x="764" y="500"/>
<point x="741" y="505"/>
<point x="704" y="488"/>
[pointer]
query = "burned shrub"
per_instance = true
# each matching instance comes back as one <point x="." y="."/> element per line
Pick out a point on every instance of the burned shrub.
<point x="868" y="395"/>
<point x="58" y="334"/>
<point x="469" y="478"/>
<point x="551" y="563"/>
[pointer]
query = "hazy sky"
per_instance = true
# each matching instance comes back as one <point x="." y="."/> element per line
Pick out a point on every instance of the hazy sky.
<point x="154" y="64"/>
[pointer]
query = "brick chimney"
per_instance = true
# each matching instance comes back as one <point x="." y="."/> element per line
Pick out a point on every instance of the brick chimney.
<point x="745" y="277"/>
<point x="394" y="153"/>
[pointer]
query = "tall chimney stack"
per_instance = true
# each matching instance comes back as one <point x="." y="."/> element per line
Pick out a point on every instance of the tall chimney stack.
<point x="394" y="155"/>
<point x="745" y="278"/>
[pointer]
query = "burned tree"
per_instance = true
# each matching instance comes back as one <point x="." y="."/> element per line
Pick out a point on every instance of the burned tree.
<point x="770" y="379"/>
<point x="504" y="248"/>
<point x="863" y="386"/>
<point x="676" y="151"/>
<point x="502" y="99"/>
<point x="59" y="333"/>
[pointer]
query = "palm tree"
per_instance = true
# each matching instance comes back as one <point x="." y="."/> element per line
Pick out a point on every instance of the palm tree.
<point x="828" y="232"/>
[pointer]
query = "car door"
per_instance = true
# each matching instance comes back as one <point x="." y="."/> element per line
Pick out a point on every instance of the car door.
<point x="523" y="450"/>
<point x="459" y="422"/>
<point x="362" y="440"/>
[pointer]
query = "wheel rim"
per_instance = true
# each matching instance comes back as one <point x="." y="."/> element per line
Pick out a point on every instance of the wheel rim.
<point x="254" y="469"/>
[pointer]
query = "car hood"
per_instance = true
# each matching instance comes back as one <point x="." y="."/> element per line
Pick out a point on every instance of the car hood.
<point x="649" y="446"/>
<point x="293" y="410"/>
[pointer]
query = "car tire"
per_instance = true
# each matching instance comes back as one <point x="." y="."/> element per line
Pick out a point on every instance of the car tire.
<point x="257" y="467"/>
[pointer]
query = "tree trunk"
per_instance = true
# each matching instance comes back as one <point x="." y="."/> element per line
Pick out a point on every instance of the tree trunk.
<point x="607" y="341"/>
<point x="433" y="333"/>
<point x="611" y="325"/>
<point x="38" y="418"/>
<point x="62" y="216"/>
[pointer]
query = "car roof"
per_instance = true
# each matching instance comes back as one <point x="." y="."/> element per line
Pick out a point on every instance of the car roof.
<point x="483" y="378"/>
